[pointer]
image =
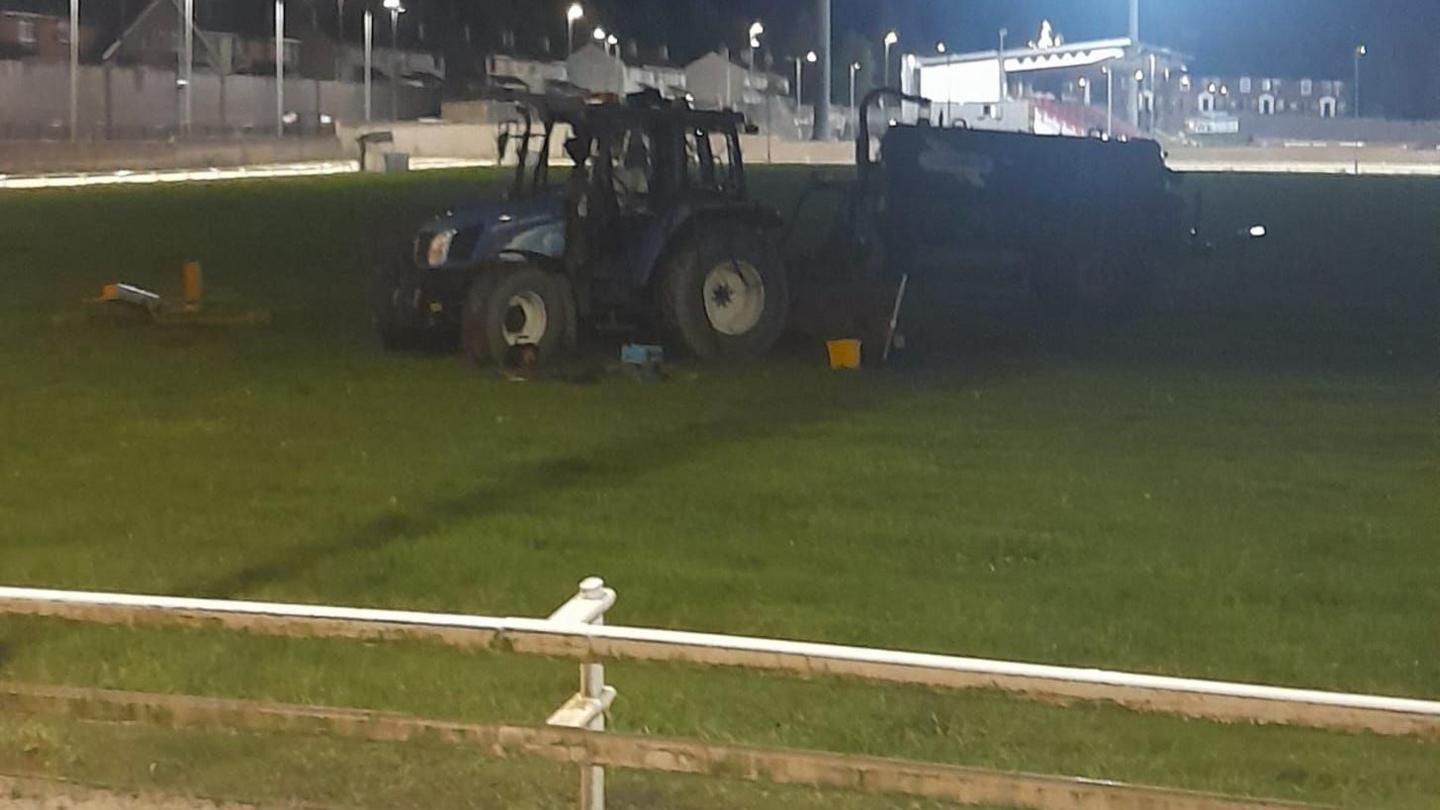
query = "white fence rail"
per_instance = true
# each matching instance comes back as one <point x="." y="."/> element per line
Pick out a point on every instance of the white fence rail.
<point x="577" y="631"/>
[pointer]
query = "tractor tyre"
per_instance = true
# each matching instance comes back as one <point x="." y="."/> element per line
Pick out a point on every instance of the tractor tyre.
<point x="724" y="294"/>
<point x="517" y="316"/>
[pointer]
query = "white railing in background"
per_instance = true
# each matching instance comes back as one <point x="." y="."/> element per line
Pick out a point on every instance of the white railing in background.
<point x="577" y="630"/>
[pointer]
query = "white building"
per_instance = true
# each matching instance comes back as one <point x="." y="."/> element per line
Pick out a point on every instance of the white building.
<point x="715" y="82"/>
<point x="1115" y="85"/>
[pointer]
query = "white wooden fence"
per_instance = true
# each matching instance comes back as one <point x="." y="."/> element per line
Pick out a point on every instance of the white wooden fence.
<point x="574" y="734"/>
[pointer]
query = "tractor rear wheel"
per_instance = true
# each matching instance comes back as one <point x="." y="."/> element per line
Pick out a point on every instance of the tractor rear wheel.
<point x="724" y="294"/>
<point x="517" y="316"/>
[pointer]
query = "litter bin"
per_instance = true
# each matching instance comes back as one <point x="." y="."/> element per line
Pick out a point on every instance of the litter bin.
<point x="375" y="140"/>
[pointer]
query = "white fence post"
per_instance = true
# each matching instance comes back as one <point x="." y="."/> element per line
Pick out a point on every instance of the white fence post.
<point x="586" y="708"/>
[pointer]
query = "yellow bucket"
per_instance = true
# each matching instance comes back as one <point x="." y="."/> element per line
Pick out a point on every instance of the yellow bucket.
<point x="844" y="353"/>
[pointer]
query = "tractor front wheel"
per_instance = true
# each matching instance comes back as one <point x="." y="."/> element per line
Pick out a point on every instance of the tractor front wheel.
<point x="517" y="316"/>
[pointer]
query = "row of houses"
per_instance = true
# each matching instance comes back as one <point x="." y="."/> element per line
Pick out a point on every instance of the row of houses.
<point x="155" y="39"/>
<point x="712" y="81"/>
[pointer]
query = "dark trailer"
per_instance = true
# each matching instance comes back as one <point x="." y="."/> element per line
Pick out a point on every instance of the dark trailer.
<point x="1086" y="218"/>
<point x="937" y="217"/>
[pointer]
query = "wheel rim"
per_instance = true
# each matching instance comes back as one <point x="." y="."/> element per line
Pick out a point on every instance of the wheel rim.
<point x="734" y="297"/>
<point x="526" y="320"/>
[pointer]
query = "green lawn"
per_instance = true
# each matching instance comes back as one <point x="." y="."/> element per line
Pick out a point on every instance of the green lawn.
<point x="1242" y="485"/>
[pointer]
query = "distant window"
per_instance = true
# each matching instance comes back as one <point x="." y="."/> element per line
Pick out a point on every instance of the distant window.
<point x="1245" y="85"/>
<point x="25" y="32"/>
<point x="1267" y="85"/>
<point x="1207" y="103"/>
<point x="1307" y="87"/>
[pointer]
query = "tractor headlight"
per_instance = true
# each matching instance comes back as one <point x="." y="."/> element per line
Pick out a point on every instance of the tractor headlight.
<point x="439" y="250"/>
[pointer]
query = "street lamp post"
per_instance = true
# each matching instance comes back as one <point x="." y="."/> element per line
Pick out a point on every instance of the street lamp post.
<point x="1138" y="96"/>
<point x="1109" y="101"/>
<point x="396" y="8"/>
<point x="854" y="69"/>
<point x="280" y="68"/>
<point x="369" y="50"/>
<point x="575" y="13"/>
<point x="890" y="40"/>
<point x="187" y="108"/>
<point x="1000" y="57"/>
<point x="74" y="69"/>
<point x="1360" y="52"/>
<point x="339" y="40"/>
<point x="810" y="57"/>
<point x="944" y="51"/>
<point x="757" y="30"/>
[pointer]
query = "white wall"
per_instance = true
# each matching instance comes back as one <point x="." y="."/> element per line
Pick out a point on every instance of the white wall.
<point x="962" y="82"/>
<point x="34" y="101"/>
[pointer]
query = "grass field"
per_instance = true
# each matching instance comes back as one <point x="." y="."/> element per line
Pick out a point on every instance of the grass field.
<point x="1242" y="485"/>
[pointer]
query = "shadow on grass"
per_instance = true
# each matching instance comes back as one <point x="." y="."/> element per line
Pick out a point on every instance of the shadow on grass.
<point x="530" y="488"/>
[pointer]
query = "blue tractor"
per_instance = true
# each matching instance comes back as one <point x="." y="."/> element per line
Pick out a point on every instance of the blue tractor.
<point x="631" y="212"/>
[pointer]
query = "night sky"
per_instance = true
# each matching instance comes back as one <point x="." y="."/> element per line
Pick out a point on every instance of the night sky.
<point x="1283" y="38"/>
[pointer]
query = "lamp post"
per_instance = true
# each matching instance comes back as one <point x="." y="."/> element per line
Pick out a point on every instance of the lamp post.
<point x="280" y="68"/>
<point x="1000" y="57"/>
<point x="369" y="51"/>
<point x="600" y="38"/>
<point x="810" y="57"/>
<point x="575" y="13"/>
<point x="1084" y="83"/>
<point x="890" y="40"/>
<point x="74" y="69"/>
<point x="1138" y="96"/>
<point x="757" y="30"/>
<point x="339" y="40"/>
<point x="941" y="49"/>
<point x="188" y="69"/>
<point x="1360" y="52"/>
<point x="854" y="69"/>
<point x="1109" y="101"/>
<point x="396" y="8"/>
